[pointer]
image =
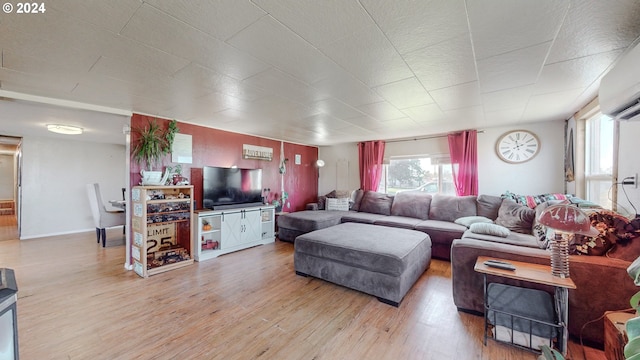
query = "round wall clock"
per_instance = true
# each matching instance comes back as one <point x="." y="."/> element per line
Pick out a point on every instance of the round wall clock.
<point x="517" y="146"/>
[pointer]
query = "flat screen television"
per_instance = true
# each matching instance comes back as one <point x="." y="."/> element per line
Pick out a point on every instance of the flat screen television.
<point x="230" y="187"/>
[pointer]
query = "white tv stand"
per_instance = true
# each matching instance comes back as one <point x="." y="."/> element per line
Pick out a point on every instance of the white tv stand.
<point x="219" y="232"/>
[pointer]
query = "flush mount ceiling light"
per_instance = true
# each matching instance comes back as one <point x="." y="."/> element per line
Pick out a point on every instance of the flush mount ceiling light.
<point x="64" y="129"/>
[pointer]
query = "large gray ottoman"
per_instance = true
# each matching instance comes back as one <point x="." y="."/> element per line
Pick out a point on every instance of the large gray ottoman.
<point x="294" y="224"/>
<point x="381" y="261"/>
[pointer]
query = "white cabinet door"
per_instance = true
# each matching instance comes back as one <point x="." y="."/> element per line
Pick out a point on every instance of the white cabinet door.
<point x="231" y="229"/>
<point x="250" y="228"/>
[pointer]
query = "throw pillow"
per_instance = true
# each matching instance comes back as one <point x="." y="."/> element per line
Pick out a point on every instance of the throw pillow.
<point x="470" y="220"/>
<point x="341" y="204"/>
<point x="489" y="229"/>
<point x="411" y="204"/>
<point x="515" y="217"/>
<point x="488" y="205"/>
<point x="359" y="194"/>
<point x="376" y="203"/>
<point x="534" y="200"/>
<point x="449" y="208"/>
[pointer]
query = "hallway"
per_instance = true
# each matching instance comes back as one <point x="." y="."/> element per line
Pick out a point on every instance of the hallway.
<point x="8" y="227"/>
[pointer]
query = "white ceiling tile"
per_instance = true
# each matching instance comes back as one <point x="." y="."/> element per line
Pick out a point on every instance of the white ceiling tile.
<point x="159" y="30"/>
<point x="336" y="108"/>
<point x="369" y="56"/>
<point x="344" y="87"/>
<point x="553" y="106"/>
<point x="401" y="124"/>
<point x="365" y="122"/>
<point x="110" y="15"/>
<point x="501" y="26"/>
<point x="444" y="64"/>
<point x="323" y="122"/>
<point x="589" y="29"/>
<point x="271" y="42"/>
<point x="503" y="116"/>
<point x="276" y="82"/>
<point x="471" y="116"/>
<point x="425" y="113"/>
<point x="577" y="73"/>
<point x="405" y="93"/>
<point x="513" y="69"/>
<point x="220" y="18"/>
<point x="382" y="111"/>
<point x="457" y="96"/>
<point x="318" y="22"/>
<point x="412" y="25"/>
<point x="507" y="99"/>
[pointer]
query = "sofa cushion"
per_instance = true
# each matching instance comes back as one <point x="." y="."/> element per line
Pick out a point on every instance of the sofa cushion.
<point x="469" y="220"/>
<point x="411" y="204"/>
<point x="397" y="221"/>
<point x="514" y="238"/>
<point x="376" y="203"/>
<point x="488" y="206"/>
<point x="309" y="220"/>
<point x="516" y="217"/>
<point x="360" y="217"/>
<point x="449" y="208"/>
<point x="441" y="231"/>
<point x="490" y="229"/>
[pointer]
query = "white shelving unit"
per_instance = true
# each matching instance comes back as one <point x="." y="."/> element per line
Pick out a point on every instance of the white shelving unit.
<point x="219" y="232"/>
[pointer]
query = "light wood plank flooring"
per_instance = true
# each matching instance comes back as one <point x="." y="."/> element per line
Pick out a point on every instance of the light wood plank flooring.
<point x="76" y="301"/>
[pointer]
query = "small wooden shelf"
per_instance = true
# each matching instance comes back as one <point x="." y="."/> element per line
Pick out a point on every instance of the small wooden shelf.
<point x="152" y="238"/>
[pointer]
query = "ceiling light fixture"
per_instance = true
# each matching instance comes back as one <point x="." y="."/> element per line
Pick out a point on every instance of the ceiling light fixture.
<point x="64" y="129"/>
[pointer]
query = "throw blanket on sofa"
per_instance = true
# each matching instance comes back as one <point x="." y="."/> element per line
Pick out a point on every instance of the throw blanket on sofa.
<point x="614" y="228"/>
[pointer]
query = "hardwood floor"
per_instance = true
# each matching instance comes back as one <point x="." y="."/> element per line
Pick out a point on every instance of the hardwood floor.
<point x="76" y="301"/>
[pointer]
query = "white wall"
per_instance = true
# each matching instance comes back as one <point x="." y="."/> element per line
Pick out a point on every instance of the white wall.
<point x="543" y="174"/>
<point x="54" y="178"/>
<point x="628" y="165"/>
<point x="343" y="157"/>
<point x="6" y="177"/>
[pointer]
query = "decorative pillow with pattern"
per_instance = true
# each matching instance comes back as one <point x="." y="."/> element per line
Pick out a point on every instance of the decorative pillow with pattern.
<point x="534" y="200"/>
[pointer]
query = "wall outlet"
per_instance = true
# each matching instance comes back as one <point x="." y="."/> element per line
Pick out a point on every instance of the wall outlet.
<point x="631" y="180"/>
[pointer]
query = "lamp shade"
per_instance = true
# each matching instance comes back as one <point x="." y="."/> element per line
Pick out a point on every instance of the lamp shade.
<point x="567" y="218"/>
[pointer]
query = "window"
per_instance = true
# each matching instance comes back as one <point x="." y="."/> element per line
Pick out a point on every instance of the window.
<point x="423" y="174"/>
<point x="599" y="160"/>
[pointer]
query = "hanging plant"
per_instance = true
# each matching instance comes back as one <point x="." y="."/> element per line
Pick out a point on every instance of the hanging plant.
<point x="153" y="143"/>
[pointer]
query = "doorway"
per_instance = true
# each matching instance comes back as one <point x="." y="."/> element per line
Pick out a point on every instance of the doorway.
<point x="10" y="190"/>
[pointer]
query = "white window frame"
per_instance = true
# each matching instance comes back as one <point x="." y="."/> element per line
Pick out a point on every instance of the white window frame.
<point x="592" y="145"/>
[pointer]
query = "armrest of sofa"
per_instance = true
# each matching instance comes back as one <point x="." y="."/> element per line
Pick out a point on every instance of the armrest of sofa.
<point x="311" y="206"/>
<point x="602" y="284"/>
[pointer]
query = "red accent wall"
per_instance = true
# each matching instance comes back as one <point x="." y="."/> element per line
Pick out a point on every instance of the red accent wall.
<point x="213" y="147"/>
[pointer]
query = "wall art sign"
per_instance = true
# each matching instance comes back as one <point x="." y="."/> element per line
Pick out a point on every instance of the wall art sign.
<point x="257" y="152"/>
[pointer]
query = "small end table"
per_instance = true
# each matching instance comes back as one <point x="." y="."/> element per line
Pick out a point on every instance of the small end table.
<point x="535" y="273"/>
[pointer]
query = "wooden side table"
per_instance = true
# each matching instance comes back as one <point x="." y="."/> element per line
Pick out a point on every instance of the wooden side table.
<point x="615" y="337"/>
<point x="535" y="273"/>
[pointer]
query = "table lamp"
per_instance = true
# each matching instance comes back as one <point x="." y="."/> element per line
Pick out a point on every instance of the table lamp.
<point x="565" y="220"/>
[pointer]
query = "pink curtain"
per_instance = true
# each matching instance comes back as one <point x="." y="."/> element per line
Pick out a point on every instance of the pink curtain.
<point x="463" y="149"/>
<point x="370" y="154"/>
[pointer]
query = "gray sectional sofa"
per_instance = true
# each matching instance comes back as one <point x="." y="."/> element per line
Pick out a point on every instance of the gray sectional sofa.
<point x="602" y="281"/>
<point x="435" y="215"/>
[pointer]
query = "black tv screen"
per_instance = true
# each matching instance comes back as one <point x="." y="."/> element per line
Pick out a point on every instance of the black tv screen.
<point x="224" y="187"/>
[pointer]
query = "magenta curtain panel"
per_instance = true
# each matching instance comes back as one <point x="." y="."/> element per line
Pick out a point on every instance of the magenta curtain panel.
<point x="370" y="154"/>
<point x="463" y="149"/>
